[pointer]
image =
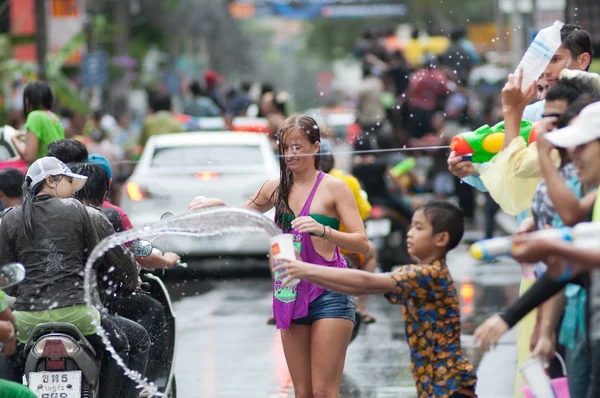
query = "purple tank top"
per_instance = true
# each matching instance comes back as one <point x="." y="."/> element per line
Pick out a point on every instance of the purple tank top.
<point x="306" y="292"/>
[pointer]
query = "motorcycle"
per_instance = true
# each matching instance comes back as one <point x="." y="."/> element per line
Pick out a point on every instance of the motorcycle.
<point x="60" y="361"/>
<point x="154" y="286"/>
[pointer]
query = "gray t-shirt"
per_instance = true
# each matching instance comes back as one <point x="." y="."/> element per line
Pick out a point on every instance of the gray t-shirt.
<point x="62" y="237"/>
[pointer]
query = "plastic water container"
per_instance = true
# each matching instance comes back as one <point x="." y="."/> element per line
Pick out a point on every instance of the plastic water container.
<point x="540" y="52"/>
<point x="282" y="246"/>
<point x="559" y="386"/>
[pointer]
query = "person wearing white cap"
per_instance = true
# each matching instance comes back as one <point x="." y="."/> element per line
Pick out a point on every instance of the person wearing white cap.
<point x="51" y="234"/>
<point x="582" y="140"/>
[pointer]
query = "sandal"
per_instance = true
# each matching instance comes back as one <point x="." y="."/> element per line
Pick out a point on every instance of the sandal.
<point x="367" y="318"/>
<point x="271" y="320"/>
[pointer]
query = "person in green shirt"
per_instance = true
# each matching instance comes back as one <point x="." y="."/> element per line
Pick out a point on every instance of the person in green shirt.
<point x="161" y="121"/>
<point x="42" y="126"/>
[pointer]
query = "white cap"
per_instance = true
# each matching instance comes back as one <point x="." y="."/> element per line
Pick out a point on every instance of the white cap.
<point x="50" y="166"/>
<point x="585" y="128"/>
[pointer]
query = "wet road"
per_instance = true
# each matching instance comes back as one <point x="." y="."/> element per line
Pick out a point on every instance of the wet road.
<point x="226" y="349"/>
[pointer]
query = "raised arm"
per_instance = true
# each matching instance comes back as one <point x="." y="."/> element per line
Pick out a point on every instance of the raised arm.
<point x="347" y="281"/>
<point x="263" y="200"/>
<point x="570" y="209"/>
<point x="514" y="101"/>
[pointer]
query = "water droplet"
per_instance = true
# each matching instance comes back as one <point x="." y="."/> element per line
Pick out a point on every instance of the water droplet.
<point x="411" y="115"/>
<point x="321" y="94"/>
<point x="455" y="72"/>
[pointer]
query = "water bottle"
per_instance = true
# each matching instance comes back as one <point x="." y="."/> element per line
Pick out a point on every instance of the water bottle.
<point x="586" y="235"/>
<point x="540" y="52"/>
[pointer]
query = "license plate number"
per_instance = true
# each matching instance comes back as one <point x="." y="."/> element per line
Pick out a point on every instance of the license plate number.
<point x="378" y="228"/>
<point x="55" y="384"/>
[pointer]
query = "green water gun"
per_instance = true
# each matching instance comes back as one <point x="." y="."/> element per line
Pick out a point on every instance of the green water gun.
<point x="403" y="167"/>
<point x="483" y="144"/>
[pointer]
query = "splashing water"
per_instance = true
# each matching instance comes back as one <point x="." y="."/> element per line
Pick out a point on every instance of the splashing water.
<point x="216" y="221"/>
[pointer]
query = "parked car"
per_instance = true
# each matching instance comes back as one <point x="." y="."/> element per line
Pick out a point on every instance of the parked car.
<point x="175" y="168"/>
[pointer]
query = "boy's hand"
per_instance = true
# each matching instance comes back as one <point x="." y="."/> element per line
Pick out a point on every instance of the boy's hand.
<point x="490" y="332"/>
<point x="460" y="168"/>
<point x="291" y="269"/>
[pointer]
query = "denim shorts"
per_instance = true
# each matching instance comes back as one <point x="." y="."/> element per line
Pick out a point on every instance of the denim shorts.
<point x="329" y="305"/>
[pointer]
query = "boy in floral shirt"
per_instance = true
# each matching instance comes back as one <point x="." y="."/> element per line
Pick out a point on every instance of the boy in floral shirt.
<point x="428" y="297"/>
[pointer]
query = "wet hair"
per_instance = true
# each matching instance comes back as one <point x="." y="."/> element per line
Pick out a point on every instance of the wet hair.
<point x="29" y="192"/>
<point x="245" y="86"/>
<point x="39" y="96"/>
<point x="577" y="40"/>
<point x="286" y="179"/>
<point x="445" y="217"/>
<point x="195" y="89"/>
<point x="11" y="182"/>
<point x="161" y="103"/>
<point x="569" y="90"/>
<point x="327" y="162"/>
<point x="575" y="108"/>
<point x="458" y="33"/>
<point x="266" y="88"/>
<point x="415" y="34"/>
<point x="97" y="184"/>
<point x="68" y="151"/>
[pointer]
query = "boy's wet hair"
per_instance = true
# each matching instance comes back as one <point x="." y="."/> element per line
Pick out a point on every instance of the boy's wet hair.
<point x="445" y="217"/>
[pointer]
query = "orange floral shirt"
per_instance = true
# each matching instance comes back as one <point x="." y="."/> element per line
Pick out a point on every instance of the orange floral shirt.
<point x="432" y="321"/>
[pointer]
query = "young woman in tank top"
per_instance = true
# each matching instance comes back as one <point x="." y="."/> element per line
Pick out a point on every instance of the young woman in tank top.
<point x="317" y="325"/>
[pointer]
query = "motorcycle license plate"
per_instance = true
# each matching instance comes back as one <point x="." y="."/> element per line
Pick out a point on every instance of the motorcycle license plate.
<point x="378" y="228"/>
<point x="56" y="384"/>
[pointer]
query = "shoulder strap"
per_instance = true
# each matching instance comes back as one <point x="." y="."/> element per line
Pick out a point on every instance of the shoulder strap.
<point x="306" y="208"/>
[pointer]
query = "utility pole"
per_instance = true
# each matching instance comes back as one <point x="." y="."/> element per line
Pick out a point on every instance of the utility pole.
<point x="518" y="38"/>
<point x="41" y="34"/>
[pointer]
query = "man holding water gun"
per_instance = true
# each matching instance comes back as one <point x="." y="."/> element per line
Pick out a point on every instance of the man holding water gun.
<point x="582" y="140"/>
<point x="574" y="53"/>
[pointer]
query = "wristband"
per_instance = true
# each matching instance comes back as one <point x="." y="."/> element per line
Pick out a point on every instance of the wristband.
<point x="324" y="232"/>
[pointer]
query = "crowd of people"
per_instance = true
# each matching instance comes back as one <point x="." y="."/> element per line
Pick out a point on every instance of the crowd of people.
<point x="65" y="192"/>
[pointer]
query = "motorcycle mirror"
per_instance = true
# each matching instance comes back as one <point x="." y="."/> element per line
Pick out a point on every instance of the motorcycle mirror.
<point x="166" y="215"/>
<point x="11" y="274"/>
<point x="141" y="248"/>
